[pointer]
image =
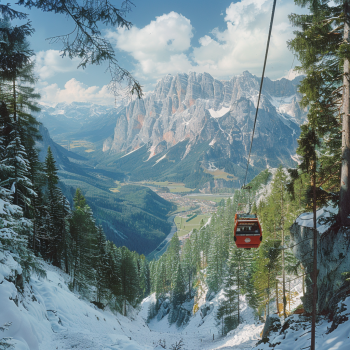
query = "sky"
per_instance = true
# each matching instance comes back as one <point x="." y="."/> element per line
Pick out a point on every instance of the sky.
<point x="222" y="38"/>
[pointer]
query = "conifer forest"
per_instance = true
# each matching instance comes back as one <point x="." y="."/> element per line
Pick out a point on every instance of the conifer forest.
<point x="109" y="241"/>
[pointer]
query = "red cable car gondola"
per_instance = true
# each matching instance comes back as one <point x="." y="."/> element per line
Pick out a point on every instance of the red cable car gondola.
<point x="247" y="232"/>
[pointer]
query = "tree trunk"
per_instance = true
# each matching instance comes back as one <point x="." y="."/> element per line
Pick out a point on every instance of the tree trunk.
<point x="283" y="270"/>
<point x="238" y="286"/>
<point x="278" y="311"/>
<point x="344" y="203"/>
<point x="34" y="224"/>
<point x="303" y="278"/>
<point x="289" y="296"/>
<point x="268" y="294"/>
<point x="14" y="99"/>
<point x="314" y="268"/>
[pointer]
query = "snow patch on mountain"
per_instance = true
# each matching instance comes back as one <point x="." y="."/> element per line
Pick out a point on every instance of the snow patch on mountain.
<point x="279" y="102"/>
<point x="219" y="113"/>
<point x="134" y="150"/>
<point x="158" y="160"/>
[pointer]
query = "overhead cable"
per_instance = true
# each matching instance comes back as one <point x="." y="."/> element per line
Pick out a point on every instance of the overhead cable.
<point x="261" y="84"/>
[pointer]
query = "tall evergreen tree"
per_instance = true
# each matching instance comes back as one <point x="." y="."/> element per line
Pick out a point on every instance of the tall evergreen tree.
<point x="172" y="257"/>
<point x="235" y="284"/>
<point x="129" y="279"/>
<point x="101" y="266"/>
<point x="189" y="264"/>
<point x="322" y="50"/>
<point x="53" y="197"/>
<point x="113" y="271"/>
<point x="144" y="276"/>
<point x="83" y="233"/>
<point x="215" y="268"/>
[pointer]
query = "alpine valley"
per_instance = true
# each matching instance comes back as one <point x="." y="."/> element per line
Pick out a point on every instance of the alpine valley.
<point x="192" y="129"/>
<point x="190" y="126"/>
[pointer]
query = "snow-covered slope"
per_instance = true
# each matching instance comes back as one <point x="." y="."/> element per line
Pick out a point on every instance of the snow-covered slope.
<point x="330" y="334"/>
<point x="47" y="315"/>
<point x="200" y="331"/>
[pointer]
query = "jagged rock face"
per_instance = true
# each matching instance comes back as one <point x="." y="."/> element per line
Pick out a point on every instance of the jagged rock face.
<point x="333" y="260"/>
<point x="199" y="108"/>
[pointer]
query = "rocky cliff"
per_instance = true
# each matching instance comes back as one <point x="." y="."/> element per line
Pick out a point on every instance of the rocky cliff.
<point x="333" y="257"/>
<point x="196" y="109"/>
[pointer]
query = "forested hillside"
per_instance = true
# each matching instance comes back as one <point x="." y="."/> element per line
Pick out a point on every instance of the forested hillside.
<point x="130" y="215"/>
<point x="209" y="260"/>
<point x="36" y="221"/>
<point x="67" y="279"/>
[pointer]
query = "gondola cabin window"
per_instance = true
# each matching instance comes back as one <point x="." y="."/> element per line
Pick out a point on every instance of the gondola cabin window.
<point x="247" y="232"/>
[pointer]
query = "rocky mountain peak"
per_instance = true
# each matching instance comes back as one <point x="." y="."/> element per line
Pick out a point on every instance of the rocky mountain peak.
<point x="191" y="119"/>
<point x="189" y="106"/>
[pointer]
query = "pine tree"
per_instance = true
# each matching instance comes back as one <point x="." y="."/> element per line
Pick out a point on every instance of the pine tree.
<point x="189" y="265"/>
<point x="83" y="233"/>
<point x="144" y="276"/>
<point x="215" y="268"/>
<point x="235" y="283"/>
<point x="279" y="196"/>
<point x="322" y="49"/>
<point x="14" y="227"/>
<point x="162" y="284"/>
<point x="113" y="271"/>
<point x="129" y="279"/>
<point x="101" y="266"/>
<point x="172" y="258"/>
<point x="272" y="253"/>
<point x="53" y="197"/>
<point x="179" y="289"/>
<point x="14" y="50"/>
<point x="197" y="251"/>
<point x="19" y="179"/>
<point x="178" y="296"/>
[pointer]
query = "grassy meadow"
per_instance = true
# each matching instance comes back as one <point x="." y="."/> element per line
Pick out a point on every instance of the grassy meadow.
<point x="183" y="227"/>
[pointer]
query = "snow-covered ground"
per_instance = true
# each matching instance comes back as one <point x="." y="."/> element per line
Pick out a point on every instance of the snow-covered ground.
<point x="49" y="316"/>
<point x="297" y="334"/>
<point x="199" y="332"/>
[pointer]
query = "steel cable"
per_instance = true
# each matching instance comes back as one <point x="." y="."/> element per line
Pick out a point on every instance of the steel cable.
<point x="261" y="84"/>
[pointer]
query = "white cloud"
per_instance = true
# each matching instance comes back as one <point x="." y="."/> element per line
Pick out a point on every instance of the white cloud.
<point x="160" y="47"/>
<point x="75" y="91"/>
<point x="241" y="46"/>
<point x="164" y="45"/>
<point x="49" y="63"/>
<point x="292" y="74"/>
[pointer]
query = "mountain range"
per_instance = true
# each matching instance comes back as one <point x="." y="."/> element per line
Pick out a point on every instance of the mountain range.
<point x="192" y="129"/>
<point x="187" y="130"/>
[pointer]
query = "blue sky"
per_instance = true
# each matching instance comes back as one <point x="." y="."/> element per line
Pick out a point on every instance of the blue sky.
<point x="223" y="38"/>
